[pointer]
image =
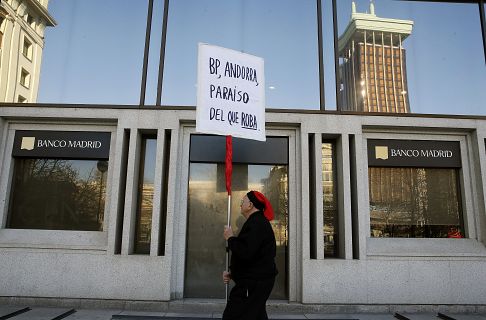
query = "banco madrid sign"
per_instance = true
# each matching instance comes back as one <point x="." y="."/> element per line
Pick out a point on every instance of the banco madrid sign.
<point x="61" y="144"/>
<point x="414" y="153"/>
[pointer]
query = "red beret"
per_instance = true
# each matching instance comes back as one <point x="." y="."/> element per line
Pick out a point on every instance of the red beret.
<point x="261" y="202"/>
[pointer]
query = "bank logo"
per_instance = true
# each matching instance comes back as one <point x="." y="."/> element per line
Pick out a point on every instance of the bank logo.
<point x="27" y="143"/>
<point x="381" y="152"/>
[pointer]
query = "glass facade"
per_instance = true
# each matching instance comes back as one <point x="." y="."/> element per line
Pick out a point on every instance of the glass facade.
<point x="412" y="57"/>
<point x="94" y="54"/>
<point x="328" y="56"/>
<point x="282" y="33"/>
<point x="420" y="57"/>
<point x="415" y="203"/>
<point x="58" y="194"/>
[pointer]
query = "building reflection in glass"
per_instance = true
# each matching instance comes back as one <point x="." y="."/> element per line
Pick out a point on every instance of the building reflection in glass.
<point x="145" y="195"/>
<point x="331" y="229"/>
<point x="415" y="203"/>
<point x="207" y="215"/>
<point x="58" y="194"/>
<point x="372" y="63"/>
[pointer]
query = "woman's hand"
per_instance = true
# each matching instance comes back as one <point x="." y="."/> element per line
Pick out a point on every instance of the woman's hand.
<point x="226" y="277"/>
<point x="228" y="232"/>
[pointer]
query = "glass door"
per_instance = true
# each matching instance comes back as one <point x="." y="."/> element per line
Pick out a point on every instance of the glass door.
<point x="207" y="215"/>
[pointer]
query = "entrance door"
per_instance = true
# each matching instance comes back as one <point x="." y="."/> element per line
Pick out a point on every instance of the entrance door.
<point x="265" y="169"/>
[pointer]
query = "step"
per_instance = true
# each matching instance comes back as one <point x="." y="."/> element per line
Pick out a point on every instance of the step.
<point x="44" y="314"/>
<point x="453" y="316"/>
<point x="7" y="312"/>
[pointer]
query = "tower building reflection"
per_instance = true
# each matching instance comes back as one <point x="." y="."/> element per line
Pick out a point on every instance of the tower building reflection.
<point x="372" y="68"/>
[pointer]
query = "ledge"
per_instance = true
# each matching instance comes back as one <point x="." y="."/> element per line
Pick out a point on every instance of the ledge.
<point x="424" y="247"/>
<point x="53" y="239"/>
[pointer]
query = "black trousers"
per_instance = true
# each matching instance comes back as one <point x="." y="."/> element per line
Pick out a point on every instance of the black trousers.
<point x="247" y="300"/>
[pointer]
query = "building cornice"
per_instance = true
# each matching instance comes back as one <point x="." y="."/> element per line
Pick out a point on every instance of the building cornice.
<point x="370" y="22"/>
<point x="3" y="11"/>
<point x="77" y="107"/>
<point x="42" y="11"/>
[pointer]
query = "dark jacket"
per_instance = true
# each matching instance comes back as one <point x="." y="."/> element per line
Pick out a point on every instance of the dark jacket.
<point x="253" y="250"/>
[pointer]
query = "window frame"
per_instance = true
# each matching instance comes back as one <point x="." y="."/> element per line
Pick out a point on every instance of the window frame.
<point x="24" y="78"/>
<point x="468" y="199"/>
<point x="337" y="219"/>
<point x="294" y="251"/>
<point x="93" y="241"/>
<point x="138" y="247"/>
<point x="29" y="54"/>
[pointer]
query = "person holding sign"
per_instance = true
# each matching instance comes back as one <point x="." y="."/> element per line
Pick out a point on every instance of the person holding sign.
<point x="252" y="265"/>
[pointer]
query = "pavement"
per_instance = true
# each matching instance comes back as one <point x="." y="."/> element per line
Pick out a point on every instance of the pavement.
<point x="50" y="313"/>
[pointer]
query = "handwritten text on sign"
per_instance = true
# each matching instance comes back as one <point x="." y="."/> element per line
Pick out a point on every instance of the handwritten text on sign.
<point x="231" y="93"/>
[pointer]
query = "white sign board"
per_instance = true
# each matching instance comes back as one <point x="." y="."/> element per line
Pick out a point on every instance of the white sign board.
<point x="230" y="93"/>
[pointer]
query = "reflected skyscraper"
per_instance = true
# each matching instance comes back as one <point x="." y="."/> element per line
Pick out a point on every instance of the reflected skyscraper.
<point x="22" y="26"/>
<point x="372" y="68"/>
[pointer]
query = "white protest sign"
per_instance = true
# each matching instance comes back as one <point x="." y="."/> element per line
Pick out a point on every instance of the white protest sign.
<point x="230" y="93"/>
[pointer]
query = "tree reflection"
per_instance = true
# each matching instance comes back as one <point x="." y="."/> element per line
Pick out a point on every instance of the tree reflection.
<point x="414" y="202"/>
<point x="57" y="194"/>
<point x="275" y="187"/>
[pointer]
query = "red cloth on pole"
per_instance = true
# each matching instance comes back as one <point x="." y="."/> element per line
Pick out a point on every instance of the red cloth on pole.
<point x="454" y="233"/>
<point x="229" y="163"/>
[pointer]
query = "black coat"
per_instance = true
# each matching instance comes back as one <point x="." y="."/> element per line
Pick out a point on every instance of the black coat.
<point x="253" y="250"/>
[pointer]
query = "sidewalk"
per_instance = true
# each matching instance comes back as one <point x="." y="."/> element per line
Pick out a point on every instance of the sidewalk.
<point x="41" y="313"/>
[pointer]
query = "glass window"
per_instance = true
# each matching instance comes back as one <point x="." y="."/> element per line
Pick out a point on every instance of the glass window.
<point x="27" y="49"/>
<point x="283" y="33"/>
<point x="329" y="189"/>
<point x="30" y="20"/>
<point x="1" y="32"/>
<point x="94" y="54"/>
<point x="24" y="78"/>
<point x="415" y="203"/>
<point x="438" y="49"/>
<point x="328" y="55"/>
<point x="58" y="194"/>
<point x="145" y="195"/>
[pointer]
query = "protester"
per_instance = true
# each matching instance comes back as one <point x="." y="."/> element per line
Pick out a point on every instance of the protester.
<point x="252" y="265"/>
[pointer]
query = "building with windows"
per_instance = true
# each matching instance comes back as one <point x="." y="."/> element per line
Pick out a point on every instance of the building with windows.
<point x="22" y="28"/>
<point x="110" y="197"/>
<point x="374" y="70"/>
